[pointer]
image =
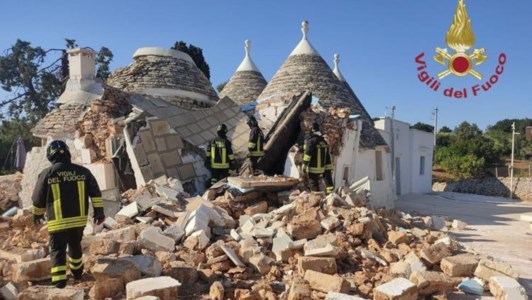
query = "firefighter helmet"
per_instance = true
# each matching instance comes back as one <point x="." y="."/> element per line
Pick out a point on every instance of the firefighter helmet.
<point x="315" y="127"/>
<point x="222" y="129"/>
<point x="252" y="121"/>
<point x="57" y="149"/>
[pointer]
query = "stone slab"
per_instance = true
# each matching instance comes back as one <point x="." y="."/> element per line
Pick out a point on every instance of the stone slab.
<point x="164" y="287"/>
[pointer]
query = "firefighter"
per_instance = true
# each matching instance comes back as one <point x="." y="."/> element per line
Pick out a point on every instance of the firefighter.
<point x="255" y="143"/>
<point x="317" y="160"/>
<point x="219" y="156"/>
<point x="62" y="192"/>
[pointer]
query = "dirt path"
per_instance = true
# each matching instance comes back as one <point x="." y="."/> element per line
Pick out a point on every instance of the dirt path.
<point x="494" y="226"/>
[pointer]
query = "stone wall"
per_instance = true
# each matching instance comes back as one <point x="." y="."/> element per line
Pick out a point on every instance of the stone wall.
<point x="160" y="151"/>
<point x="489" y="187"/>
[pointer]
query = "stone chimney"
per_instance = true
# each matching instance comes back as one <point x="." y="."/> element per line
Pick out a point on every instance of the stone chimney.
<point x="82" y="85"/>
<point x="81" y="64"/>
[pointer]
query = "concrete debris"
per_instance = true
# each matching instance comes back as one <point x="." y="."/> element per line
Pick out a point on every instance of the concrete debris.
<point x="504" y="287"/>
<point x="324" y="282"/>
<point x="166" y="288"/>
<point x="399" y="289"/>
<point x="51" y="293"/>
<point x="267" y="243"/>
<point x="147" y="265"/>
<point x="152" y="238"/>
<point x="9" y="292"/>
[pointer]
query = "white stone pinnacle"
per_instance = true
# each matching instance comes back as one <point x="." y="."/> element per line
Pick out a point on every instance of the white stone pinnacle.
<point x="336" y="70"/>
<point x="247" y="64"/>
<point x="304" y="46"/>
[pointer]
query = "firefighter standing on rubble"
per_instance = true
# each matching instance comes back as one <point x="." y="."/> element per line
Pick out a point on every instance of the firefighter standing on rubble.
<point x="317" y="160"/>
<point x="62" y="192"/>
<point x="219" y="158"/>
<point x="255" y="143"/>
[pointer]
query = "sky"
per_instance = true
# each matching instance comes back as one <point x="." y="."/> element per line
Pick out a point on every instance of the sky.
<point x="377" y="40"/>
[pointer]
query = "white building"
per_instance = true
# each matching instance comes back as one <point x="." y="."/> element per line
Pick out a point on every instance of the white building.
<point x="412" y="150"/>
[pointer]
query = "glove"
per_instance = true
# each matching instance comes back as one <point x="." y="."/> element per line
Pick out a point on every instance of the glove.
<point x="99" y="219"/>
<point x="38" y="219"/>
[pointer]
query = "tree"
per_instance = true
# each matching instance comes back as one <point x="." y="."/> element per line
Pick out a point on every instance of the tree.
<point x="35" y="77"/>
<point x="423" y="127"/>
<point x="103" y="60"/>
<point x="445" y="129"/>
<point x="221" y="86"/>
<point x="197" y="56"/>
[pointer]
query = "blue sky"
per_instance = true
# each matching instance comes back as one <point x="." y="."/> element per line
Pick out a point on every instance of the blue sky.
<point x="378" y="41"/>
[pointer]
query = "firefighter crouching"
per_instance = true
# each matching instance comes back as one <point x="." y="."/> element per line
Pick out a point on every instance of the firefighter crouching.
<point x="255" y="143"/>
<point x="62" y="192"/>
<point x="219" y="158"/>
<point x="317" y="160"/>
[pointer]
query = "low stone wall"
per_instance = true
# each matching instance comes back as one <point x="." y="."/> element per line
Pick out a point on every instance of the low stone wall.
<point x="489" y="187"/>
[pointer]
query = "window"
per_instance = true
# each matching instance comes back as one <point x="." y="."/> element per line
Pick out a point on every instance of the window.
<point x="422" y="165"/>
<point x="346" y="174"/>
<point x="378" y="165"/>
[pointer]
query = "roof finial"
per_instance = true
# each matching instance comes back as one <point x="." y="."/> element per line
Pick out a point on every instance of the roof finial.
<point x="336" y="60"/>
<point x="304" y="29"/>
<point x="247" y="46"/>
<point x="336" y="70"/>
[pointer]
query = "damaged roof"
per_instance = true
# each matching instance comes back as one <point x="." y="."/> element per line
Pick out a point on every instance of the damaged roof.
<point x="60" y="122"/>
<point x="305" y="70"/>
<point x="166" y="73"/>
<point x="198" y="127"/>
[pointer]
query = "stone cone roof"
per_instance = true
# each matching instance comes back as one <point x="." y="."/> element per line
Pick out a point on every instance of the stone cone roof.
<point x="307" y="71"/>
<point x="247" y="82"/>
<point x="244" y="87"/>
<point x="168" y="74"/>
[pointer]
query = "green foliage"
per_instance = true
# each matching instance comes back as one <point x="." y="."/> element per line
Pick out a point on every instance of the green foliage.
<point x="35" y="77"/>
<point x="9" y="132"/>
<point x="221" y="86"/>
<point x="33" y="85"/>
<point x="197" y="56"/>
<point x="445" y="129"/>
<point x="465" y="152"/>
<point x="423" y="127"/>
<point x="103" y="60"/>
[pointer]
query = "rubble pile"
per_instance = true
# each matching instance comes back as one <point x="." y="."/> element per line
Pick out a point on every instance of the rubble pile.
<point x="333" y="122"/>
<point x="101" y="121"/>
<point x="256" y="238"/>
<point x="9" y="189"/>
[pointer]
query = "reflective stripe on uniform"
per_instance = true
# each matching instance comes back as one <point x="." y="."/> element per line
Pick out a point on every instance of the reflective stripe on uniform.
<point x="56" y="192"/>
<point x="330" y="189"/>
<point x="306" y="157"/>
<point x="37" y="210"/>
<point x="251" y="145"/>
<point x="58" y="269"/>
<point x="97" y="201"/>
<point x="256" y="153"/>
<point x="67" y="223"/>
<point x="75" y="260"/>
<point x="59" y="278"/>
<point x="75" y="267"/>
<point x="81" y="194"/>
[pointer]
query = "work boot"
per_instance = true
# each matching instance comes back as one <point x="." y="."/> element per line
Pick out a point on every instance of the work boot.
<point x="60" y="284"/>
<point x="78" y="274"/>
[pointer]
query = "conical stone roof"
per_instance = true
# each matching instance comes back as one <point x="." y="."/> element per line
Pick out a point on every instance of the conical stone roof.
<point x="305" y="70"/>
<point x="168" y="74"/>
<point x="247" y="82"/>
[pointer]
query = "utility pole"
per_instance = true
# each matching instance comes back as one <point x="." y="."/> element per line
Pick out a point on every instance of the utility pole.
<point x="393" y="141"/>
<point x="435" y="114"/>
<point x="512" y="161"/>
